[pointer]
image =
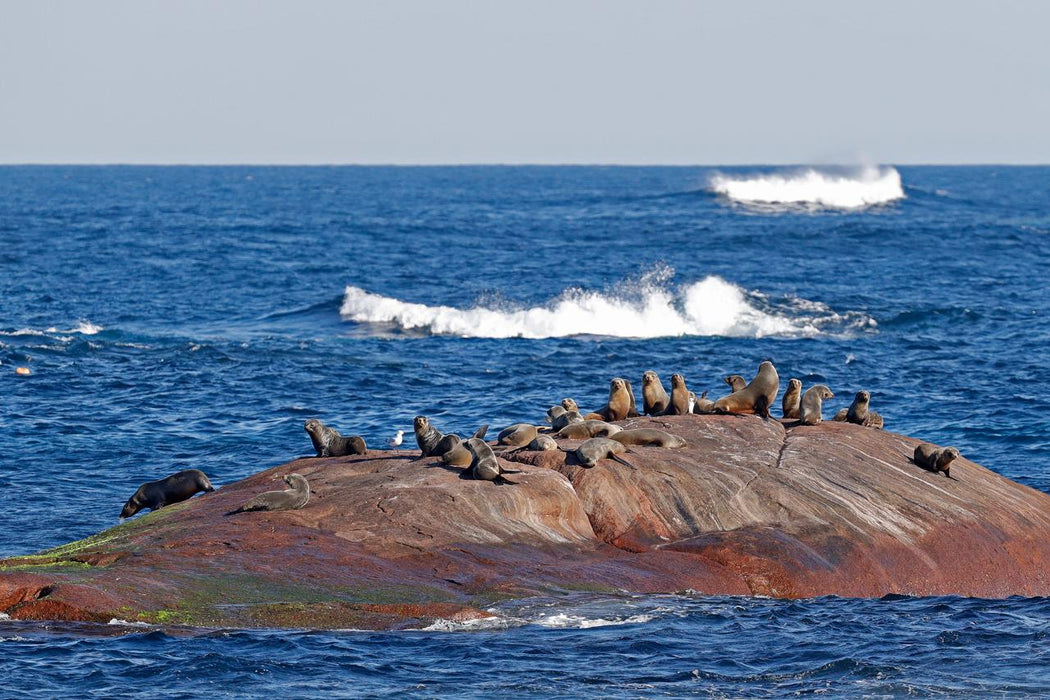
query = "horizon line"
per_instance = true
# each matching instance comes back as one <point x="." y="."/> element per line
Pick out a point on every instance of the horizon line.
<point x="511" y="164"/>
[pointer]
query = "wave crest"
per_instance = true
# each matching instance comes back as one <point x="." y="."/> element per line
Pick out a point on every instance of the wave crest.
<point x="812" y="187"/>
<point x="710" y="307"/>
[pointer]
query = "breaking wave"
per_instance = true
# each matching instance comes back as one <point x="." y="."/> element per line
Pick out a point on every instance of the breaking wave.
<point x="811" y="187"/>
<point x="651" y="308"/>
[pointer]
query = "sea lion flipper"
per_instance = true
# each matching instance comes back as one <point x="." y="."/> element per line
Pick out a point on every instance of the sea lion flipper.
<point x="480" y="432"/>
<point x="500" y="481"/>
<point x="621" y="460"/>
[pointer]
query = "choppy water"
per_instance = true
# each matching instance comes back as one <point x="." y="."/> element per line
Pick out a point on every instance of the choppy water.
<point x="177" y="317"/>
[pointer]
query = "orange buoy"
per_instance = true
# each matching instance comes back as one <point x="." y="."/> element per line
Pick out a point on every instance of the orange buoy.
<point x="24" y="371"/>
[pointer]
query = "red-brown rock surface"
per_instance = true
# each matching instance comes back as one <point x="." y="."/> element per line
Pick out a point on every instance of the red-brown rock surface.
<point x="393" y="540"/>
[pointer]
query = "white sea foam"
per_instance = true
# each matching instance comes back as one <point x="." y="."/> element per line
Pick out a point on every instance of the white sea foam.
<point x="652" y="308"/>
<point x="125" y="623"/>
<point x="82" y="327"/>
<point x="563" y="620"/>
<point x="480" y="623"/>
<point x="836" y="190"/>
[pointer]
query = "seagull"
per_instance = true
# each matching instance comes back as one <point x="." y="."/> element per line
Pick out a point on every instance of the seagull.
<point x="395" y="441"/>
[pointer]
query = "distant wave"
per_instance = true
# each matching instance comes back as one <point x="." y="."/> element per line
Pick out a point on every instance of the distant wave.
<point x="651" y="308"/>
<point x="82" y="328"/>
<point x="812" y="187"/>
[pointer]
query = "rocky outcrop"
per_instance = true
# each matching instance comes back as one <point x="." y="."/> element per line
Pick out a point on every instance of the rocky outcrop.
<point x="389" y="540"/>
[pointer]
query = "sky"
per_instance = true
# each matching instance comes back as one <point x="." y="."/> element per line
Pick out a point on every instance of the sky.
<point x="564" y="81"/>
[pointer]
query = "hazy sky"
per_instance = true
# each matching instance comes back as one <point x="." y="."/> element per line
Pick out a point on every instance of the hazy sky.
<point x="411" y="81"/>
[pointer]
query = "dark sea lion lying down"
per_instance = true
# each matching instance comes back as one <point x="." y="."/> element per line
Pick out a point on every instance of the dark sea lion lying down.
<point x="294" y="498"/>
<point x="164" y="492"/>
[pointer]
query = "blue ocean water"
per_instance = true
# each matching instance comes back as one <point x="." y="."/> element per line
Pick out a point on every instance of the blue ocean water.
<point x="179" y="317"/>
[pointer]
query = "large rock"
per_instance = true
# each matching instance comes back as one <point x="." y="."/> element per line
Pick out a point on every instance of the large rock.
<point x="393" y="540"/>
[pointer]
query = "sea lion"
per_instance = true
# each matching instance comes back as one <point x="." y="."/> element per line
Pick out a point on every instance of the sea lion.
<point x="859" y="412"/>
<point x="654" y="397"/>
<point x="757" y="397"/>
<point x="648" y="436"/>
<point x="554" y="412"/>
<point x="621" y="402"/>
<point x="164" y="492"/>
<point x="588" y="429"/>
<point x="458" y="456"/>
<point x="541" y="443"/>
<point x="432" y="442"/>
<point x="735" y="382"/>
<point x="935" y="459"/>
<point x="567" y="418"/>
<point x="328" y="442"/>
<point x="792" y="398"/>
<point x="590" y="451"/>
<point x="570" y="405"/>
<point x="809" y="411"/>
<point x="632" y="409"/>
<point x="517" y="435"/>
<point x="703" y="404"/>
<point x="679" y="405"/>
<point x="485" y="466"/>
<point x="294" y="497"/>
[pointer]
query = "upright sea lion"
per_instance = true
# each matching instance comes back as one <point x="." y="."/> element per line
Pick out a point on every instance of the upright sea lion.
<point x="588" y="429"/>
<point x="757" y="397"/>
<point x="792" y="398"/>
<point x="295" y="497"/>
<point x="485" y="466"/>
<point x="809" y="410"/>
<point x="735" y="382"/>
<point x="620" y="403"/>
<point x="859" y="412"/>
<point x="648" y="436"/>
<point x="567" y="418"/>
<point x="632" y="410"/>
<point x="328" y="442"/>
<point x="935" y="459"/>
<point x="164" y="492"/>
<point x="432" y="442"/>
<point x="590" y="451"/>
<point x="679" y="405"/>
<point x="517" y="435"/>
<point x="654" y="397"/>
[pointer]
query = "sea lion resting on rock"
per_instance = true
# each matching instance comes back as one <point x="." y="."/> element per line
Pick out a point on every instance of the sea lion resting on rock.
<point x="654" y="397"/>
<point x="859" y="412"/>
<point x="935" y="459"/>
<point x="792" y="399"/>
<point x="810" y="405"/>
<point x="735" y="382"/>
<point x="566" y="418"/>
<point x="541" y="443"/>
<point x="648" y="436"/>
<point x="590" y="451"/>
<point x="517" y="435"/>
<point x="679" y="405"/>
<point x="164" y="492"/>
<point x="295" y="497"/>
<point x="588" y="429"/>
<point x="434" y="443"/>
<point x="756" y="397"/>
<point x="703" y="404"/>
<point x="484" y="465"/>
<point x="329" y="443"/>
<point x="620" y="405"/>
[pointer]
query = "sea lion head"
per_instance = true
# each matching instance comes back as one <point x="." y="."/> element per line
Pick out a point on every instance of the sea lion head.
<point x="862" y="397"/>
<point x="421" y="423"/>
<point x="296" y="481"/>
<point x="794" y="384"/>
<point x="555" y="411"/>
<point x="825" y="393"/>
<point x="569" y="405"/>
<point x="947" y="456"/>
<point x="617" y="385"/>
<point x="313" y="426"/>
<point x="677" y="380"/>
<point x="649" y="377"/>
<point x="730" y="379"/>
<point x="134" y="505"/>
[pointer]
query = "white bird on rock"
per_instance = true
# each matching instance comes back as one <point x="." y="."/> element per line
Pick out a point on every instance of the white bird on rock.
<point x="396" y="441"/>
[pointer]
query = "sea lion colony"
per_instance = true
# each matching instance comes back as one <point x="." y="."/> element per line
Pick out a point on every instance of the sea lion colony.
<point x="602" y="438"/>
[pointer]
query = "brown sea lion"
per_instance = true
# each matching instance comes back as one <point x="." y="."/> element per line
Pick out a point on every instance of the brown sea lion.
<point x="458" y="456"/>
<point x="679" y="405"/>
<point x="735" y="382"/>
<point x="517" y="435"/>
<point x="555" y="411"/>
<point x="590" y="451"/>
<point x="632" y="409"/>
<point x="757" y="397"/>
<point x="587" y="429"/>
<point x="541" y="443"/>
<point x="655" y="399"/>
<point x="567" y="418"/>
<point x="295" y="497"/>
<point x="570" y="405"/>
<point x="328" y="442"/>
<point x="860" y="413"/>
<point x="704" y="404"/>
<point x="809" y="411"/>
<point x="164" y="492"/>
<point x="792" y="398"/>
<point x="432" y="442"/>
<point x="935" y="459"/>
<point x="485" y="466"/>
<point x="620" y="403"/>
<point x="649" y="437"/>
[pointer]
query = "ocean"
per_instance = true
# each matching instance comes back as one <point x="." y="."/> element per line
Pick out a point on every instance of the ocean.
<point x="177" y="317"/>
